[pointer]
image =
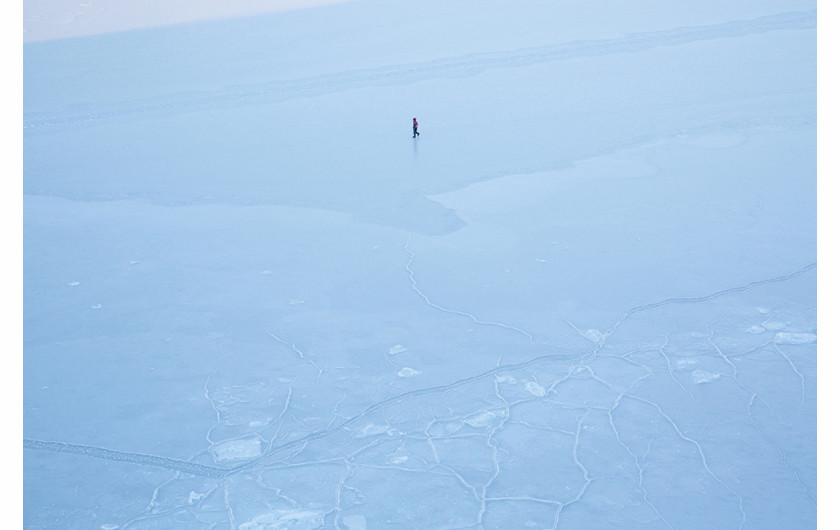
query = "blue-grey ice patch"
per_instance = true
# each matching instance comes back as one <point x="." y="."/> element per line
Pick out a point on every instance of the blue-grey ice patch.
<point x="702" y="376"/>
<point x="354" y="522"/>
<point x="73" y="284"/>
<point x="265" y="273"/>
<point x="285" y="519"/>
<point x="535" y="388"/>
<point x="96" y="306"/>
<point x="408" y="372"/>
<point x="796" y="338"/>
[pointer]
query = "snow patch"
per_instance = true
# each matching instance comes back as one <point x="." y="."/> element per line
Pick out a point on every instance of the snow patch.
<point x="683" y="365"/>
<point x="371" y="429"/>
<point x="775" y="326"/>
<point x="756" y="329"/>
<point x="594" y="335"/>
<point x="408" y="372"/>
<point x="397" y="348"/>
<point x="194" y="497"/>
<point x="445" y="428"/>
<point x="233" y="450"/>
<point x="481" y="419"/>
<point x="702" y="376"/>
<point x="298" y="519"/>
<point x="796" y="338"/>
<point x="535" y="389"/>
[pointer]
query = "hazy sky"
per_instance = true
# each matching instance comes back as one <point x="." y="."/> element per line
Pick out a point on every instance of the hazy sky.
<point x="58" y="19"/>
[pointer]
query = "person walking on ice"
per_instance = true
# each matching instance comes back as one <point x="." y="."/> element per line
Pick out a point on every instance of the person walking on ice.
<point x="416" y="134"/>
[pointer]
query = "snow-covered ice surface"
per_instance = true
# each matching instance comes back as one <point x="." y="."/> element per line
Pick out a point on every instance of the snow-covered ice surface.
<point x="584" y="297"/>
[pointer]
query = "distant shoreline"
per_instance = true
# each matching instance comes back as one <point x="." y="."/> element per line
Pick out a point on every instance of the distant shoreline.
<point x="45" y="20"/>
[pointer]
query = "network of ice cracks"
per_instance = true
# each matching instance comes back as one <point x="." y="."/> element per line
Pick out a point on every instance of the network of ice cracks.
<point x="684" y="413"/>
<point x="629" y="433"/>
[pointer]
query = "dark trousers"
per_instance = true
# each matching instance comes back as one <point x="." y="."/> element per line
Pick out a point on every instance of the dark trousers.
<point x="416" y="134"/>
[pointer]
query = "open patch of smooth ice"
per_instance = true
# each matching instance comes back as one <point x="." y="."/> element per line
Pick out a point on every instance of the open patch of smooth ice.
<point x="233" y="450"/>
<point x="355" y="522"/>
<point x="712" y="141"/>
<point x="796" y="338"/>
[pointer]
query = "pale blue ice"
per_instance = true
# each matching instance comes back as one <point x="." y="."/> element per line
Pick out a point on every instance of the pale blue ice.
<point x="584" y="297"/>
